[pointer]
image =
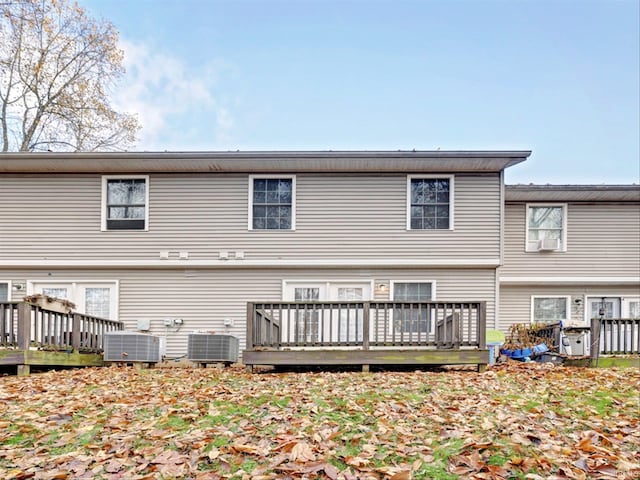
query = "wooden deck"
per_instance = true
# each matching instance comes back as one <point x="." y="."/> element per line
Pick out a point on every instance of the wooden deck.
<point x="34" y="336"/>
<point x="366" y="333"/>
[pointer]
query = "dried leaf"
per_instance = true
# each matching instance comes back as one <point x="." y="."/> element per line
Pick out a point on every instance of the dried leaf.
<point x="302" y="452"/>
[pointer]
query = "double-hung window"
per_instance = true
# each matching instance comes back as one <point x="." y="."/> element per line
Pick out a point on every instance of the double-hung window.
<point x="549" y="309"/>
<point x="546" y="227"/>
<point x="414" y="318"/>
<point x="272" y="202"/>
<point x="125" y="203"/>
<point x="430" y="203"/>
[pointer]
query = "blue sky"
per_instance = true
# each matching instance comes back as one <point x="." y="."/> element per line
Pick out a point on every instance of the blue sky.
<point x="560" y="78"/>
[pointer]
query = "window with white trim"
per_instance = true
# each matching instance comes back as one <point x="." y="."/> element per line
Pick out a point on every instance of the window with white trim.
<point x="125" y="203"/>
<point x="546" y="227"/>
<point x="272" y="202"/>
<point x="4" y="291"/>
<point x="430" y="203"/>
<point x="413" y="318"/>
<point x="549" y="309"/>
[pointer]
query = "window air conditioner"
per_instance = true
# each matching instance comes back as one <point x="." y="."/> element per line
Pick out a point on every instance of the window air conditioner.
<point x="131" y="347"/>
<point x="210" y="348"/>
<point x="548" y="244"/>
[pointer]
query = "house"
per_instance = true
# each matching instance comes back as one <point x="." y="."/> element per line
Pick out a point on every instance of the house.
<point x="572" y="253"/>
<point x="173" y="243"/>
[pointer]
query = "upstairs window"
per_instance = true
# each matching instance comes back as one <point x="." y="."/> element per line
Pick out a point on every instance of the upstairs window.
<point x="125" y="203"/>
<point x="430" y="203"/>
<point x="4" y="291"/>
<point x="272" y="203"/>
<point x="546" y="228"/>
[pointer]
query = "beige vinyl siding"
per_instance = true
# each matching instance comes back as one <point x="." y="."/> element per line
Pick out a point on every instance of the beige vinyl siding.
<point x="515" y="301"/>
<point x="602" y="240"/>
<point x="204" y="298"/>
<point x="345" y="217"/>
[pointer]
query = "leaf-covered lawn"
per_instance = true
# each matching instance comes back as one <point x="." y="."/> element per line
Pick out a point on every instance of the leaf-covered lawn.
<point x="514" y="421"/>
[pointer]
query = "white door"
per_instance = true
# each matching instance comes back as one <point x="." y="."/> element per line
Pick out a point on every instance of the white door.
<point x="605" y="307"/>
<point x="309" y="325"/>
<point x="91" y="298"/>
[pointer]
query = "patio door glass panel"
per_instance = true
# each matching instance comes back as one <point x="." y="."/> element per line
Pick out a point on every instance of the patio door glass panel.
<point x="306" y="321"/>
<point x="97" y="301"/>
<point x="58" y="292"/>
<point x="350" y="318"/>
<point x="631" y="307"/>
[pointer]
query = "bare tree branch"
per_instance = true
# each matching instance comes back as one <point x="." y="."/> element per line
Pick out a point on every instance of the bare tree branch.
<point x="56" y="64"/>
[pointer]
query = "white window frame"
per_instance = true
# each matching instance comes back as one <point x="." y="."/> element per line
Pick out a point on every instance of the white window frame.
<point x="293" y="202"/>
<point x="563" y="237"/>
<point x="567" y="299"/>
<point x="77" y="286"/>
<point x="9" y="287"/>
<point x="103" y="223"/>
<point x="393" y="282"/>
<point x="451" y="179"/>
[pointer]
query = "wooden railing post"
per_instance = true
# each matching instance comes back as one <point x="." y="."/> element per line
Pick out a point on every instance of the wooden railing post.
<point x="250" y="319"/>
<point x="594" y="351"/>
<point x="366" y="309"/>
<point x="76" y="334"/>
<point x="482" y="325"/>
<point x="24" y="325"/>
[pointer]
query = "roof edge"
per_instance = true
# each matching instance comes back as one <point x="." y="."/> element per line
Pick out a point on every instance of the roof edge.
<point x="575" y="193"/>
<point x="262" y="162"/>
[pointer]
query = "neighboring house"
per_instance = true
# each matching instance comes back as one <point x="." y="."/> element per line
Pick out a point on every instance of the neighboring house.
<point x="148" y="238"/>
<point x="570" y="251"/>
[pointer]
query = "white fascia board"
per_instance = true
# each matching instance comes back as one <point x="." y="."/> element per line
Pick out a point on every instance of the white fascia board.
<point x="318" y="263"/>
<point x="569" y="280"/>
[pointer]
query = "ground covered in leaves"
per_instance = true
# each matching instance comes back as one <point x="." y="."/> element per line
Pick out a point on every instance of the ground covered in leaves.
<point x="527" y="421"/>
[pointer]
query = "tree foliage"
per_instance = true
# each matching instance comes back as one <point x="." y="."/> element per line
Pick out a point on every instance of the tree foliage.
<point x="57" y="69"/>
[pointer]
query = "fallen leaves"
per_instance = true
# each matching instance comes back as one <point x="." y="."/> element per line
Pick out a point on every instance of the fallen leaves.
<point x="514" y="421"/>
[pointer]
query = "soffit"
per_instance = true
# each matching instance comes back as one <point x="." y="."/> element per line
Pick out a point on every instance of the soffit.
<point x="261" y="162"/>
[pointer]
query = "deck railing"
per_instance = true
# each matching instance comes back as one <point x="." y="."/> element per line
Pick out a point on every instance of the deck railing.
<point x="615" y="336"/>
<point x="24" y="326"/>
<point x="551" y="334"/>
<point x="366" y="324"/>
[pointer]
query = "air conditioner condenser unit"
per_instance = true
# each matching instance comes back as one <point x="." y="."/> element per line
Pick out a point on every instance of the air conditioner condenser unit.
<point x="212" y="348"/>
<point x="131" y="347"/>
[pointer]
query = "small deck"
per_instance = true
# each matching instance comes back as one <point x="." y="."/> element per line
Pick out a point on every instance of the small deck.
<point x="34" y="336"/>
<point x="366" y="333"/>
